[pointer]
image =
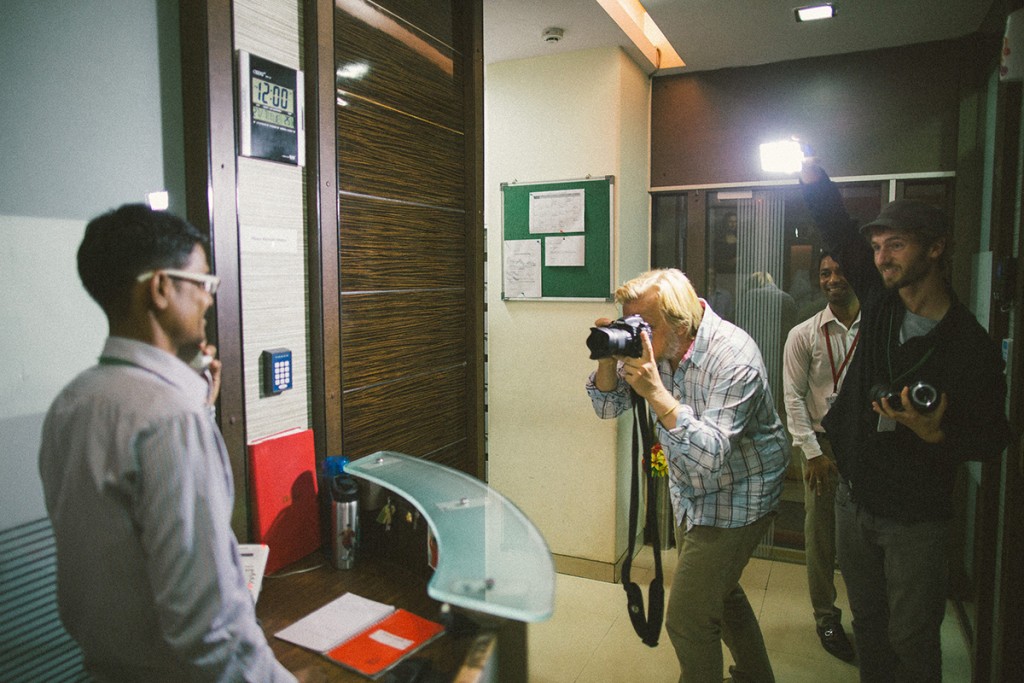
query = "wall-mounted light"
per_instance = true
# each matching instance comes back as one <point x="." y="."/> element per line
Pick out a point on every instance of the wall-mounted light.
<point x="158" y="201"/>
<point x="815" y="12"/>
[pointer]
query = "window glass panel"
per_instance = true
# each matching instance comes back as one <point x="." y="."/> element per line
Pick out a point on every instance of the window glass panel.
<point x="937" y="191"/>
<point x="668" y="231"/>
<point x="723" y="253"/>
<point x="762" y="261"/>
<point x="760" y="257"/>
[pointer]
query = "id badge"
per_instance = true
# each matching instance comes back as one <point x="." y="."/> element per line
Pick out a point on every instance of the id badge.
<point x="831" y="399"/>
<point x="886" y="424"/>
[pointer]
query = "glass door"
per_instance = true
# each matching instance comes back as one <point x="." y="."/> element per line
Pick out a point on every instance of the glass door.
<point x="754" y="258"/>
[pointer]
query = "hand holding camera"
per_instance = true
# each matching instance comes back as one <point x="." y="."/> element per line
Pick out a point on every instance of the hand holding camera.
<point x="628" y="339"/>
<point x="919" y="407"/>
<point x="618" y="338"/>
<point x="923" y="396"/>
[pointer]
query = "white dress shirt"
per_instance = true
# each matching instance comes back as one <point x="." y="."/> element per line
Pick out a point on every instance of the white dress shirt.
<point x="139" y="491"/>
<point x="811" y="377"/>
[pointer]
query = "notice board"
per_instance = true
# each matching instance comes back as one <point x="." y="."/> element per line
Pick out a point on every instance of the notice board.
<point x="557" y="239"/>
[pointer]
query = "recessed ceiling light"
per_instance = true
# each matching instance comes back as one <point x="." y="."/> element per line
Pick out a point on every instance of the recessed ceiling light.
<point x="814" y="12"/>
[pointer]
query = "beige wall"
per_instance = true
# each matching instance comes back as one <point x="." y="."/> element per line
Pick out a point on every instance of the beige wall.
<point x="548" y="119"/>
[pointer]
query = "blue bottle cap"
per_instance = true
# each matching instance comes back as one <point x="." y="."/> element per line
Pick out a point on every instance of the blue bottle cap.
<point x="334" y="465"/>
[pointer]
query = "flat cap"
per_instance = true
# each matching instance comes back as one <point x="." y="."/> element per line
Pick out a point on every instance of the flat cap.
<point x="913" y="216"/>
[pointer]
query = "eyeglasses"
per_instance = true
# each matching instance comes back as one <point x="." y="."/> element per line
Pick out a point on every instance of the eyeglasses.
<point x="207" y="281"/>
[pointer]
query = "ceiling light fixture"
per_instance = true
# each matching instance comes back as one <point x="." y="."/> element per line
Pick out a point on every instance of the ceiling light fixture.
<point x="639" y="27"/>
<point x="814" y="12"/>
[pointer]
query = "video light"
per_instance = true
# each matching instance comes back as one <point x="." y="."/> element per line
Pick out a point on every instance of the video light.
<point x="784" y="156"/>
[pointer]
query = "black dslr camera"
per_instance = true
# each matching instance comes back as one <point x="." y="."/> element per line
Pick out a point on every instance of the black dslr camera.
<point x="620" y="338"/>
<point x="923" y="396"/>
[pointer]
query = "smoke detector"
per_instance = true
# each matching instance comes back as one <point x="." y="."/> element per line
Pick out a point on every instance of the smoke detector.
<point x="553" y="34"/>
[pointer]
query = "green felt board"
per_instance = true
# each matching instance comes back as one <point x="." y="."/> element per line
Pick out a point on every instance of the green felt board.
<point x="590" y="281"/>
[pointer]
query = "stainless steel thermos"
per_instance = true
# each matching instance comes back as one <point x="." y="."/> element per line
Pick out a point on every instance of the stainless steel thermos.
<point x="344" y="521"/>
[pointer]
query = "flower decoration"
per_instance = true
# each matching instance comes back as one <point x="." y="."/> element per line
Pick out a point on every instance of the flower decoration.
<point x="657" y="465"/>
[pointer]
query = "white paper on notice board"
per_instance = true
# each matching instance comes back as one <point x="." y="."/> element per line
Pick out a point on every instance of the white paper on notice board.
<point x="565" y="250"/>
<point x="557" y="211"/>
<point x="522" y="269"/>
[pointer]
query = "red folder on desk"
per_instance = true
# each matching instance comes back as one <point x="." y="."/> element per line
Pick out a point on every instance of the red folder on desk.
<point x="285" y="506"/>
<point x="387" y="642"/>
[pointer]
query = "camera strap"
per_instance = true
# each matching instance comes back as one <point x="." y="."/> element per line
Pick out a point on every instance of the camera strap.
<point x="647" y="626"/>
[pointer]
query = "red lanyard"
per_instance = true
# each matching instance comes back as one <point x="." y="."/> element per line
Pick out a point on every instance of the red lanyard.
<point x="837" y="374"/>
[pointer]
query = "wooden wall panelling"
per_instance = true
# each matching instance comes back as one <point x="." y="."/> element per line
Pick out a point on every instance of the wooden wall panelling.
<point x="391" y="155"/>
<point x="404" y="70"/>
<point x="401" y="333"/>
<point x="395" y="251"/>
<point x="417" y="415"/>
<point x="403" y="237"/>
<point x="433" y="18"/>
<point x="468" y="25"/>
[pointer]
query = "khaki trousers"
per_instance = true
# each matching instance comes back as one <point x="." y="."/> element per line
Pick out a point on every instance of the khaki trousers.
<point x="820" y="543"/>
<point x="707" y="606"/>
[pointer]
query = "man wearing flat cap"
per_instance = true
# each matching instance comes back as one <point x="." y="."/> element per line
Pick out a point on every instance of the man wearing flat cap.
<point x="924" y="392"/>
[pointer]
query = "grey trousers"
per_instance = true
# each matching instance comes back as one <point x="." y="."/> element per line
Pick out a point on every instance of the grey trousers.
<point x="896" y="576"/>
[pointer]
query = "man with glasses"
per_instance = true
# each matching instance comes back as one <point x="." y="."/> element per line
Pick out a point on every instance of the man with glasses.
<point x="136" y="475"/>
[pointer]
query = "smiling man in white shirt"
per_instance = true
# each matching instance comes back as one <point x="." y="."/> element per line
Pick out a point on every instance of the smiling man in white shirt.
<point x="817" y="353"/>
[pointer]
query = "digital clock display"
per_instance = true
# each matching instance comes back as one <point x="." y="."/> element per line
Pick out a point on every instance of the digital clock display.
<point x="273" y="96"/>
<point x="271" y="104"/>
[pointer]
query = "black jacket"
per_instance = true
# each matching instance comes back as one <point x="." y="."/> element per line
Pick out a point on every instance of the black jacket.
<point x="895" y="474"/>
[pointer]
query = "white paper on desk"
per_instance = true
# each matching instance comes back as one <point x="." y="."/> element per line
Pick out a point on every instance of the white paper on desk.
<point x="335" y="622"/>
<point x="565" y="250"/>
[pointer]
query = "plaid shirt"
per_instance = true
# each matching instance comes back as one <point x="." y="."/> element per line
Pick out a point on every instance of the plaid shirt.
<point x="728" y="453"/>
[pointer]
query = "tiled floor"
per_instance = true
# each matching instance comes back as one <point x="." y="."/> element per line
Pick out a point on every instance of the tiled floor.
<point x="590" y="640"/>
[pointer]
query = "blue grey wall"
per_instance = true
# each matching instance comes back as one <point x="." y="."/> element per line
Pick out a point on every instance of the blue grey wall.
<point x="91" y="112"/>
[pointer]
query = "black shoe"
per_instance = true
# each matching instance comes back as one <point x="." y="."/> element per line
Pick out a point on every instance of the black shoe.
<point x="834" y="640"/>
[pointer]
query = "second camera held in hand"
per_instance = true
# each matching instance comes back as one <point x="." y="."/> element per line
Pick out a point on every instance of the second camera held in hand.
<point x="923" y="396"/>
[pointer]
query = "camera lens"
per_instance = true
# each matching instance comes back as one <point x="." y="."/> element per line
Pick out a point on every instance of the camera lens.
<point x="620" y="338"/>
<point x="883" y="391"/>
<point x="924" y="397"/>
<point x="607" y="341"/>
